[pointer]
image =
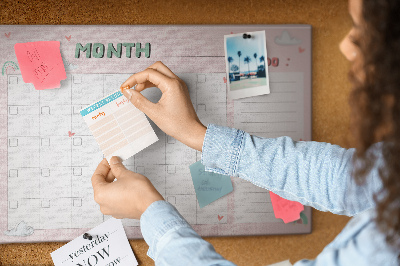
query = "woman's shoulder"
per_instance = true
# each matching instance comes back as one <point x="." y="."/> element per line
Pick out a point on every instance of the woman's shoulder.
<point x="362" y="240"/>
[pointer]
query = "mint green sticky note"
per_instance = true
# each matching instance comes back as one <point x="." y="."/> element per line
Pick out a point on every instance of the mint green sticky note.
<point x="209" y="186"/>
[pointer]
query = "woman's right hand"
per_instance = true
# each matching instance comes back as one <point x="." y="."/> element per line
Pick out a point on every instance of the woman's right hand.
<point x="173" y="113"/>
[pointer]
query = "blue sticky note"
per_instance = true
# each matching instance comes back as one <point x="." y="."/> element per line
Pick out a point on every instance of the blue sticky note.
<point x="209" y="186"/>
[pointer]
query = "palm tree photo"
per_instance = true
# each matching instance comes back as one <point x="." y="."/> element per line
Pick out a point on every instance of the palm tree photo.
<point x="230" y="60"/>
<point x="239" y="51"/>
<point x="247" y="60"/>
<point x="262" y="59"/>
<point x="239" y="54"/>
<point x="255" y="57"/>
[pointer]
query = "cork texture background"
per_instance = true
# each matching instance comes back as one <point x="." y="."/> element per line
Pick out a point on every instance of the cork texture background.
<point x="330" y="22"/>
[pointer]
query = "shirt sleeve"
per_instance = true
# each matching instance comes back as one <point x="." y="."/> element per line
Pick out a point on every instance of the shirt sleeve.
<point x="316" y="174"/>
<point x="172" y="241"/>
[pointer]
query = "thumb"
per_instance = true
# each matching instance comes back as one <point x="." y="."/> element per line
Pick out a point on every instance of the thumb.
<point x="138" y="100"/>
<point x="100" y="174"/>
<point x="117" y="167"/>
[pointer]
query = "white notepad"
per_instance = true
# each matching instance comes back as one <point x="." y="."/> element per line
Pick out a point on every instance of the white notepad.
<point x="119" y="128"/>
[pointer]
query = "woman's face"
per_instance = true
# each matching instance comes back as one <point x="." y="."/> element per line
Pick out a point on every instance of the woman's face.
<point x="347" y="46"/>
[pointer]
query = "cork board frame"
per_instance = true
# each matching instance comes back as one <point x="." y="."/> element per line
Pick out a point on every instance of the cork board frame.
<point x="51" y="204"/>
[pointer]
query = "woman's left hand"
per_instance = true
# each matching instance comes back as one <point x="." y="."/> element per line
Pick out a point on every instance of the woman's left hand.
<point x="127" y="197"/>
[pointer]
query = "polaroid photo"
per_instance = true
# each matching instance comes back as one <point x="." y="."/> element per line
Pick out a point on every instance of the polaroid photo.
<point x="246" y="64"/>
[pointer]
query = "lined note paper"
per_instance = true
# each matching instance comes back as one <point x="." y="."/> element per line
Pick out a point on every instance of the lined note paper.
<point x="280" y="113"/>
<point x="119" y="128"/>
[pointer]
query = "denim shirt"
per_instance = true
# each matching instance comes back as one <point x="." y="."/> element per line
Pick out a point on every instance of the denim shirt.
<point x="312" y="173"/>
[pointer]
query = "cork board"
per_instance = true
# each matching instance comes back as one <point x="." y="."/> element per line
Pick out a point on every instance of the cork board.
<point x="50" y="153"/>
<point x="330" y="111"/>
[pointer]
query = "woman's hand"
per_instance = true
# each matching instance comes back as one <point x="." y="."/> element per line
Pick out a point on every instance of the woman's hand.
<point x="174" y="113"/>
<point x="127" y="197"/>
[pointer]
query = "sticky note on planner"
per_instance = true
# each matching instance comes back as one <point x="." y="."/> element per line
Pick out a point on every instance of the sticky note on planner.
<point x="118" y="126"/>
<point x="209" y="186"/>
<point x="284" y="209"/>
<point x="41" y="63"/>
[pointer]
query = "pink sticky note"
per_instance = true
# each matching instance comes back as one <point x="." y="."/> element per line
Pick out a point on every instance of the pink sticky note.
<point x="41" y="63"/>
<point x="284" y="209"/>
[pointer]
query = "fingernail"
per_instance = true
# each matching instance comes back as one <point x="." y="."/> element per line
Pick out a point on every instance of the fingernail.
<point x="128" y="94"/>
<point x="115" y="160"/>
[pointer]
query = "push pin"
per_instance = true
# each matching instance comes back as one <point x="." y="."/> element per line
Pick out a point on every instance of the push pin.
<point x="246" y="36"/>
<point x="125" y="88"/>
<point x="88" y="236"/>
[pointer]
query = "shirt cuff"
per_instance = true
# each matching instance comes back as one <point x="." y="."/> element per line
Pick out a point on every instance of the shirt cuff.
<point x="158" y="219"/>
<point x="222" y="148"/>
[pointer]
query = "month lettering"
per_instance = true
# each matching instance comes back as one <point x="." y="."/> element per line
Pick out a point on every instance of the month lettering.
<point x="98" y="50"/>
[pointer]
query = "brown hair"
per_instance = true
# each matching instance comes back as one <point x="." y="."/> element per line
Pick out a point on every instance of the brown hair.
<point x="375" y="103"/>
